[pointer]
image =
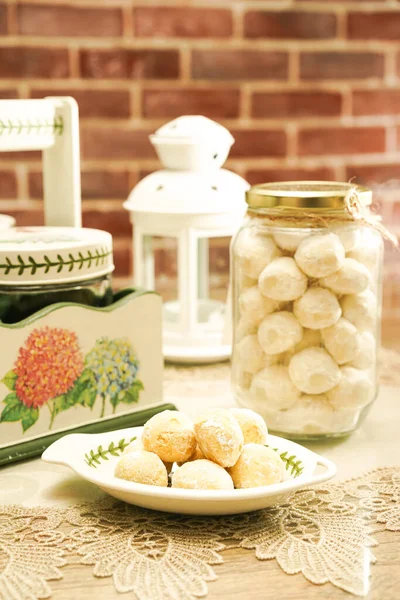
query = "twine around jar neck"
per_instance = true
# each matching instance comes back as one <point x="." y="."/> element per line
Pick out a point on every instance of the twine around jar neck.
<point x="353" y="210"/>
<point x="364" y="215"/>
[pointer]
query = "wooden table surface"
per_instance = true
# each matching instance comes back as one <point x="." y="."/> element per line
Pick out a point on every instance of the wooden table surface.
<point x="243" y="577"/>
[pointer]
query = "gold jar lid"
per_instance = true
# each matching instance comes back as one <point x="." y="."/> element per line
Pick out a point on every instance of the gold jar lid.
<point x="305" y="195"/>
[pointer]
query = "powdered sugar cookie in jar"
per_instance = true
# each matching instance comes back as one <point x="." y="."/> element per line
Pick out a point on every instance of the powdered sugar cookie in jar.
<point x="305" y="358"/>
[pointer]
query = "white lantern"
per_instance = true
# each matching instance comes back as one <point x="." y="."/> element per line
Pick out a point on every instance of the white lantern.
<point x="192" y="200"/>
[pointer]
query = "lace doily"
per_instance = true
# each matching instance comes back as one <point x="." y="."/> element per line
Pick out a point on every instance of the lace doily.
<point x="324" y="533"/>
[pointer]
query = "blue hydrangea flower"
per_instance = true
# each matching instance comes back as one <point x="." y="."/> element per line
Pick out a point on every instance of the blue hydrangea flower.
<point x="114" y="365"/>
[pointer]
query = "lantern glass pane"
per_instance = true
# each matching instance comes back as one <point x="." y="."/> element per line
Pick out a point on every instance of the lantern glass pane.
<point x="160" y="271"/>
<point x="213" y="278"/>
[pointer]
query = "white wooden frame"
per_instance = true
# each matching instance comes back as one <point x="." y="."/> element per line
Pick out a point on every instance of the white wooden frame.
<point x="50" y="125"/>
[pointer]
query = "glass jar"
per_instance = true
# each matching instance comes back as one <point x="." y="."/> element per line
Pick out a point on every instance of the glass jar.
<point x="19" y="302"/>
<point x="307" y="308"/>
<point x="42" y="266"/>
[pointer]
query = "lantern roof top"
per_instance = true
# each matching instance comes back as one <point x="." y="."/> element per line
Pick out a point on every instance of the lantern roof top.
<point x="193" y="128"/>
<point x="189" y="192"/>
<point x="192" y="143"/>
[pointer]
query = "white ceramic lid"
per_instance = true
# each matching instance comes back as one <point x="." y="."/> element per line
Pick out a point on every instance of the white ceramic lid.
<point x="6" y="222"/>
<point x="192" y="128"/>
<point x="189" y="192"/>
<point x="44" y="255"/>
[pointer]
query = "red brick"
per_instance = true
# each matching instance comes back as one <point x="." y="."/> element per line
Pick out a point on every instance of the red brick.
<point x="345" y="140"/>
<point x="8" y="94"/>
<point x="110" y="104"/>
<point x="211" y="102"/>
<point x="392" y="255"/>
<point x="341" y="65"/>
<point x="123" y="258"/>
<point x="289" y="24"/>
<point x="105" y="184"/>
<point x="115" y="221"/>
<point x="28" y="216"/>
<point x="121" y="283"/>
<point x="295" y="104"/>
<point x="120" y="63"/>
<point x="368" y="174"/>
<point x="95" y="184"/>
<point x="396" y="217"/>
<point x="143" y="173"/>
<point x="376" y="102"/>
<point x="219" y="256"/>
<point x="22" y="156"/>
<point x="239" y="64"/>
<point x="31" y="62"/>
<point x="3" y="19"/>
<point x="165" y="262"/>
<point x="159" y="21"/>
<point x="35" y="182"/>
<point x="8" y="184"/>
<point x="255" y="176"/>
<point x="71" y="21"/>
<point x="374" y="25"/>
<point x="115" y="144"/>
<point x="258" y="143"/>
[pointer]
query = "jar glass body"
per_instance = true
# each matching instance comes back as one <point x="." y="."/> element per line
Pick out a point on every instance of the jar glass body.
<point x="306" y="322"/>
<point x="20" y="302"/>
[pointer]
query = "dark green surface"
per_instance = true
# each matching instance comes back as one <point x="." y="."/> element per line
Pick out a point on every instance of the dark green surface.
<point x="20" y="302"/>
<point x="34" y="448"/>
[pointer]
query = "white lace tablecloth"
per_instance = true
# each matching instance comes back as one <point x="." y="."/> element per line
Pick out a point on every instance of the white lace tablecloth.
<point x="48" y="515"/>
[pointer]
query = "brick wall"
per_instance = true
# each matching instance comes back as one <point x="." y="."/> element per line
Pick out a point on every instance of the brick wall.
<point x="310" y="89"/>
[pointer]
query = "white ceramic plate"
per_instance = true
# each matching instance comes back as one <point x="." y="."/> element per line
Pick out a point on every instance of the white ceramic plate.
<point x="102" y="450"/>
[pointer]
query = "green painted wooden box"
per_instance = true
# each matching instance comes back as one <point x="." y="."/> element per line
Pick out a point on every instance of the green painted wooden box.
<point x="71" y="366"/>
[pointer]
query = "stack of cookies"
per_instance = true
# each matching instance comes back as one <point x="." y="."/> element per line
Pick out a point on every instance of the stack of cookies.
<point x="222" y="450"/>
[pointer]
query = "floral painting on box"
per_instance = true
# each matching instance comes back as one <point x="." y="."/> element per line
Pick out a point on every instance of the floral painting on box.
<point x="52" y="371"/>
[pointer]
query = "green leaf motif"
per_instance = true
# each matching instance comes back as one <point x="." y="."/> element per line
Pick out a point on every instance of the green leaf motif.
<point x="132" y="395"/>
<point x="114" y="401"/>
<point x="27" y="127"/>
<point x="29" y="417"/>
<point x="11" y="399"/>
<point x="85" y="390"/>
<point x="94" y="458"/>
<point x="87" y="376"/>
<point x="9" y="380"/>
<point x="61" y="403"/>
<point x="13" y="410"/>
<point x="83" y="394"/>
<point x="112" y="450"/>
<point x="129" y="396"/>
<point x="62" y="262"/>
<point x="295" y="466"/>
<point x="88" y="397"/>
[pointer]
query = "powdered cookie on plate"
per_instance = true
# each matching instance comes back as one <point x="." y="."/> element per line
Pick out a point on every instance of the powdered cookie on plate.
<point x="170" y="435"/>
<point x="219" y="436"/>
<point x="142" y="467"/>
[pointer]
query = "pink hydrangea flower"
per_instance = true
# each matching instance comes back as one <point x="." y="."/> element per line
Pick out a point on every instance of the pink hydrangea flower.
<point x="47" y="366"/>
